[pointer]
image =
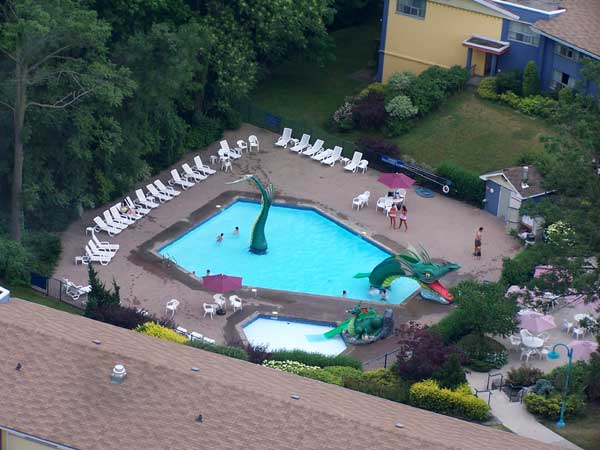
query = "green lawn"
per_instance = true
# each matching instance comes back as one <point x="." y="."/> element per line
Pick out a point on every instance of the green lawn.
<point x="301" y="90"/>
<point x="29" y="294"/>
<point x="476" y="134"/>
<point x="583" y="431"/>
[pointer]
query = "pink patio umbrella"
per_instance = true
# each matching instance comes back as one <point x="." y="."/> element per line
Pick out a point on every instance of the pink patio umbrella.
<point x="583" y="349"/>
<point x="396" y="180"/>
<point x="536" y="322"/>
<point x="222" y="283"/>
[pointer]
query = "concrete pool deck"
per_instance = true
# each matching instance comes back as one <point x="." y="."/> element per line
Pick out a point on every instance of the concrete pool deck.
<point x="445" y="227"/>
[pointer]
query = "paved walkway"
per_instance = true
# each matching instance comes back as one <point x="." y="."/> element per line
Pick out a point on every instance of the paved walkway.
<point x="515" y="417"/>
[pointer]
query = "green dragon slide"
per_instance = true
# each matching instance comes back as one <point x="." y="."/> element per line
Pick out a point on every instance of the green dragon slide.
<point x="258" y="241"/>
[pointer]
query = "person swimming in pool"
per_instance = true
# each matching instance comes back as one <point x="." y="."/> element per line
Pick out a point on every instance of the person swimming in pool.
<point x="236" y="231"/>
<point x="220" y="237"/>
<point x="383" y="295"/>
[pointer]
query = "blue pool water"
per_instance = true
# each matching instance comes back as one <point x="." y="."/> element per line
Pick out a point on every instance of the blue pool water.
<point x="307" y="253"/>
<point x="289" y="334"/>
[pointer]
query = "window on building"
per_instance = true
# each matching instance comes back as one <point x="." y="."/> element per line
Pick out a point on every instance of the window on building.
<point x="566" y="52"/>
<point x="522" y="32"/>
<point x="561" y="79"/>
<point x="414" y="8"/>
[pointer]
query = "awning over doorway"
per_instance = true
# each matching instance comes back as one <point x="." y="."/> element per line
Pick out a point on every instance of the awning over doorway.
<point x="487" y="45"/>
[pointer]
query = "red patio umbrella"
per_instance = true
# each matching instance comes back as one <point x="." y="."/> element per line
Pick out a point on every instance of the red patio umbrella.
<point x="396" y="180"/>
<point x="222" y="283"/>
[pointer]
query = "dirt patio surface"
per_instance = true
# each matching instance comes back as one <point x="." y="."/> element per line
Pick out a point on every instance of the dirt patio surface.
<point x="445" y="227"/>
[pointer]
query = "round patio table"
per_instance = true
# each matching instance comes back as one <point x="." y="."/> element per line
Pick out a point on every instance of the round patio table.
<point x="580" y="317"/>
<point x="533" y="342"/>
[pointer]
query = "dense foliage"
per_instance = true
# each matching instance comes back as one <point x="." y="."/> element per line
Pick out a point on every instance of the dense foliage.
<point x="466" y="185"/>
<point x="460" y="402"/>
<point x="315" y="359"/>
<point x="531" y="80"/>
<point x="523" y="376"/>
<point x="226" y="350"/>
<point x="484" y="353"/>
<point x="548" y="407"/>
<point x="159" y="331"/>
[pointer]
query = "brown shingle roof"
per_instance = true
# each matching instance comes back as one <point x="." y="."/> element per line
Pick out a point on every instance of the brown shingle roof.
<point x="579" y="25"/>
<point x="63" y="394"/>
<point x="534" y="180"/>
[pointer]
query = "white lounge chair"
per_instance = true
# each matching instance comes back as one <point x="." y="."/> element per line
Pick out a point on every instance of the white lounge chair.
<point x="190" y="173"/>
<point x="104" y="244"/>
<point x="235" y="302"/>
<point x="168" y="190"/>
<point x="136" y="210"/>
<point x="185" y="184"/>
<point x="362" y="165"/>
<point x="232" y="153"/>
<point x="92" y="257"/>
<point x="353" y="164"/>
<point x="285" y="138"/>
<point x="336" y="155"/>
<point x="313" y="149"/>
<point x="97" y="251"/>
<point x="162" y="197"/>
<point x="300" y="146"/>
<point x="119" y="217"/>
<point x="206" y="170"/>
<point x="108" y="218"/>
<point x="322" y="155"/>
<point x="209" y="308"/>
<point x="74" y="290"/>
<point x="145" y="201"/>
<point x="103" y="226"/>
<point x="253" y="143"/>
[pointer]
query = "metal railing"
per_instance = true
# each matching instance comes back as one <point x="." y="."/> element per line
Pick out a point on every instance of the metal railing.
<point x="381" y="360"/>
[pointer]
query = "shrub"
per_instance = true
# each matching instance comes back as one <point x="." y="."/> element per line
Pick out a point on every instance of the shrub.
<point x="342" y="372"/>
<point x="156" y="330"/>
<point x="14" y="261"/>
<point x="204" y="131"/>
<point x="592" y="389"/>
<point x="427" y="93"/>
<point x="385" y="377"/>
<point x="458" y="403"/>
<point x="466" y="185"/>
<point x="401" y="108"/>
<point x="232" y="352"/>
<point x="451" y="374"/>
<point x="483" y="349"/>
<point x="369" y="111"/>
<point x="531" y="80"/>
<point x="400" y="82"/>
<point x="258" y="354"/>
<point x="315" y="359"/>
<point x="394" y="128"/>
<point x="580" y="372"/>
<point x="119" y="316"/>
<point x="508" y="81"/>
<point x="377" y="88"/>
<point x="44" y="250"/>
<point x="519" y="270"/>
<point x="511" y="99"/>
<point x="549" y="407"/>
<point x="538" y="105"/>
<point x="457" y="79"/>
<point x="304" y="370"/>
<point x="378" y="386"/>
<point x="453" y="327"/>
<point x="523" y="376"/>
<point x="487" y="89"/>
<point x="342" y="118"/>
<point x="378" y="145"/>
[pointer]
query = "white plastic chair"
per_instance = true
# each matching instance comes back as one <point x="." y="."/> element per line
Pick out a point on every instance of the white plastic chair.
<point x="172" y="306"/>
<point x="209" y="308"/>
<point x="578" y="333"/>
<point x="253" y="143"/>
<point x="226" y="165"/>
<point x="220" y="300"/>
<point x="358" y="202"/>
<point x="515" y="341"/>
<point x="362" y="165"/>
<point x="380" y="203"/>
<point x="241" y="144"/>
<point x="235" y="302"/>
<point x="567" y="326"/>
<point x="527" y="353"/>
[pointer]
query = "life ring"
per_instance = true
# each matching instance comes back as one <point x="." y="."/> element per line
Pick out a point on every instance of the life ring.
<point x="445" y="189"/>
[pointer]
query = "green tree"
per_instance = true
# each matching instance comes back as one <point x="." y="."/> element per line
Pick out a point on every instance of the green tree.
<point x="451" y="374"/>
<point x="54" y="56"/>
<point x="483" y="308"/>
<point x="531" y="80"/>
<point x="99" y="297"/>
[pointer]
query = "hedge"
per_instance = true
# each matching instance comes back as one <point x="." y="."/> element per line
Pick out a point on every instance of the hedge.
<point x="156" y="330"/>
<point x="483" y="352"/>
<point x="458" y="403"/>
<point x="331" y="375"/>
<point x="466" y="185"/>
<point x="232" y="352"/>
<point x="316" y="359"/>
<point x="549" y="407"/>
<point x="397" y="392"/>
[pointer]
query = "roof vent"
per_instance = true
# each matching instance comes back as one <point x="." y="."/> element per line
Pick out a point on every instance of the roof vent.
<point x="524" y="177"/>
<point x="195" y="369"/>
<point x="97" y="341"/>
<point x="295" y="397"/>
<point x="399" y="425"/>
<point x="118" y="374"/>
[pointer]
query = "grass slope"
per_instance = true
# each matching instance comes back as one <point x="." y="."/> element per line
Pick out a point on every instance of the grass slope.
<point x="26" y="293"/>
<point x="476" y="134"/>
<point x="583" y="431"/>
<point x="301" y="90"/>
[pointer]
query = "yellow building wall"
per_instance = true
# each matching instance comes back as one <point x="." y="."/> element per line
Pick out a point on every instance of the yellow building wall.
<point x="13" y="442"/>
<point x="415" y="44"/>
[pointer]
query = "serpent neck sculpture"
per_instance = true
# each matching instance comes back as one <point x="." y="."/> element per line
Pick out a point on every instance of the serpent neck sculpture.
<point x="258" y="241"/>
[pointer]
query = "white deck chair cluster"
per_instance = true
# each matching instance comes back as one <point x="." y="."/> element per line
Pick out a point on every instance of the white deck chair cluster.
<point x="194" y="335"/>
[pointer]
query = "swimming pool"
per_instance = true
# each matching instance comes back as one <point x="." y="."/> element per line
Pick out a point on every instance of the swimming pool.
<point x="283" y="333"/>
<point x="308" y="252"/>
